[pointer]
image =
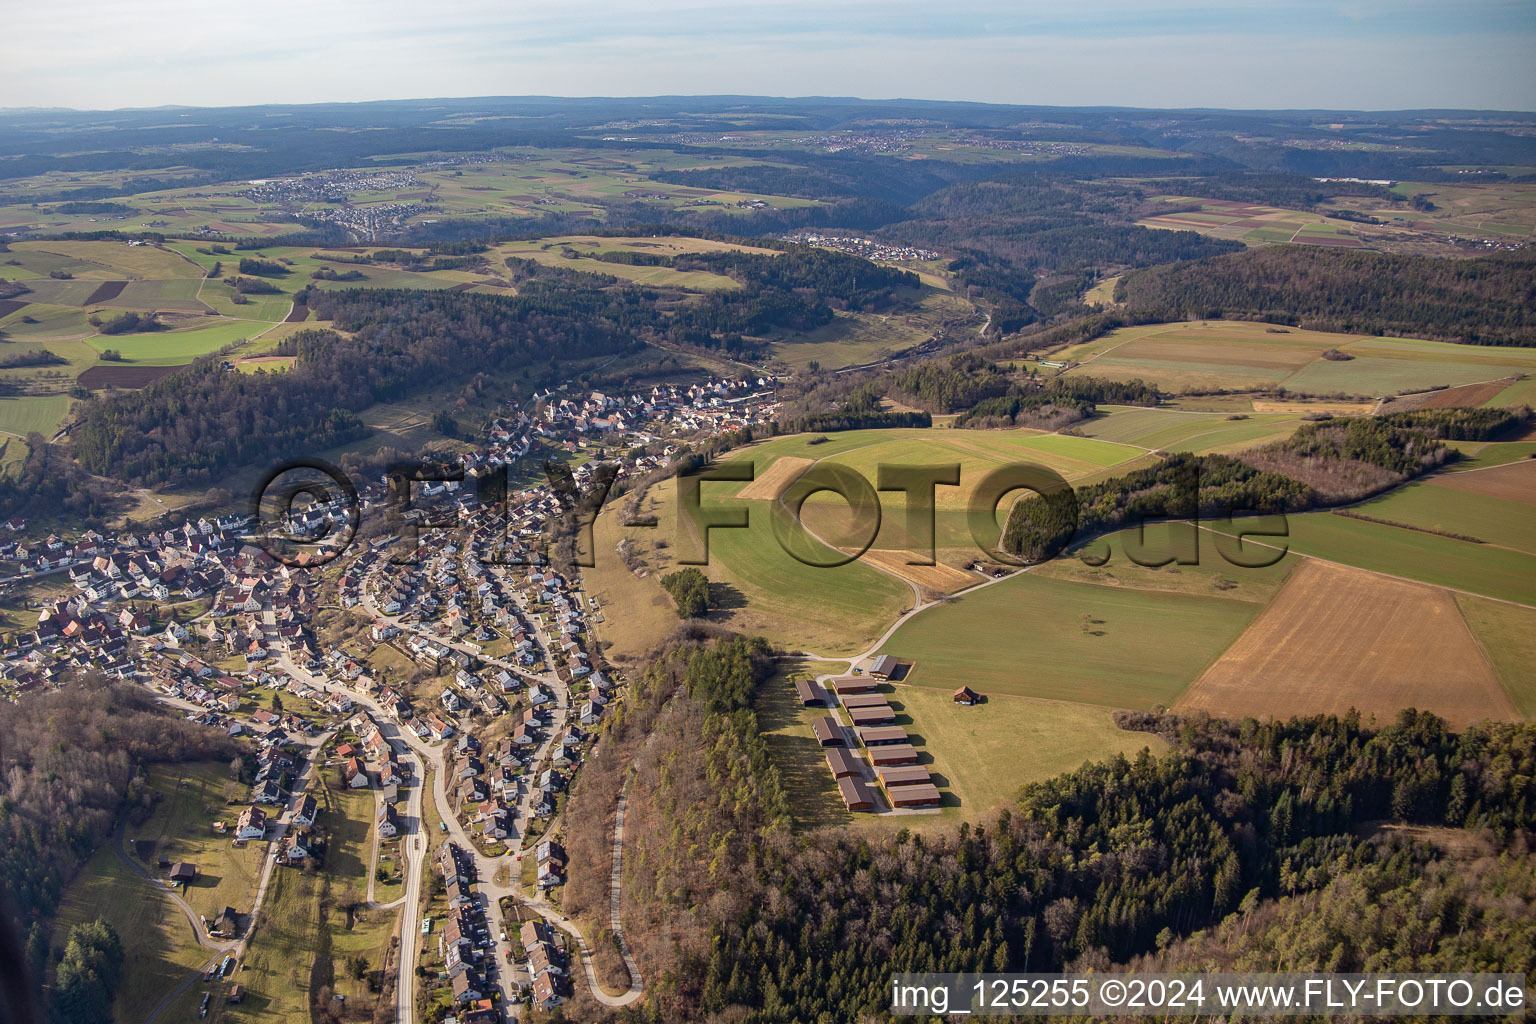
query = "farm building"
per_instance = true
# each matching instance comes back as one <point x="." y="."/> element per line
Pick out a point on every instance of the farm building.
<point x="920" y="795"/>
<point x="853" y="684"/>
<point x="884" y="714"/>
<point x="966" y="695"/>
<point x="878" y="735"/>
<point x="895" y="753"/>
<point x="903" y="775"/>
<point x="810" y="693"/>
<point x="828" y="733"/>
<point x="884" y="667"/>
<point x="864" y="700"/>
<point x="856" y="795"/>
<point x="843" y="763"/>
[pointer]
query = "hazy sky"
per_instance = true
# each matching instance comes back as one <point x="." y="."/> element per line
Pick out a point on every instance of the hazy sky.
<point x="1368" y="54"/>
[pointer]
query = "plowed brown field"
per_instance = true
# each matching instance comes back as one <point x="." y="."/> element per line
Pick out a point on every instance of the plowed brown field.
<point x="1514" y="482"/>
<point x="943" y="578"/>
<point x="1336" y="638"/>
<point x="777" y="480"/>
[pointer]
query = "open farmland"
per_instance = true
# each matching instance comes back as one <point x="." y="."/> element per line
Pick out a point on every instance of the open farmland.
<point x="1397" y="551"/>
<point x="1508" y="635"/>
<point x="1337" y="638"/>
<point x="524" y="182"/>
<point x="1255" y="224"/>
<point x="1460" y="213"/>
<point x="758" y="587"/>
<point x="1497" y="506"/>
<point x="1062" y="640"/>
<point x="977" y="453"/>
<point x="1210" y="355"/>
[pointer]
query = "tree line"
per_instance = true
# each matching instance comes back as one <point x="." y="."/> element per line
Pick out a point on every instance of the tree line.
<point x="1489" y="300"/>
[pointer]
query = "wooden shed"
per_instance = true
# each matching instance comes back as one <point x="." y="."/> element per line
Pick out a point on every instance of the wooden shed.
<point x="853" y="684"/>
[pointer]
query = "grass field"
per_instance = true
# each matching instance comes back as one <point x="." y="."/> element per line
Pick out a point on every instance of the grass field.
<point x="20" y="414"/>
<point x="1212" y="576"/>
<point x="171" y="348"/>
<point x="1061" y="640"/>
<point x="281" y="957"/>
<point x="637" y="614"/>
<point x="1450" y="504"/>
<point x="1216" y="354"/>
<point x="159" y="948"/>
<point x="759" y="587"/>
<point x="1508" y="635"/>
<point x="1337" y="638"/>
<point x="980" y="756"/>
<point x="984" y="754"/>
<point x="181" y="829"/>
<point x="1442" y="561"/>
<point x="1176" y="430"/>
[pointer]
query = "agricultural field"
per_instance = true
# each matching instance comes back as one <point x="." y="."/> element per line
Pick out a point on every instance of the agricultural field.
<point x="1497" y="212"/>
<point x="577" y="252"/>
<point x="758" y="587"/>
<point x="1507" y="633"/>
<point x="1337" y="638"/>
<point x="780" y="461"/>
<point x="1176" y="430"/>
<point x="1057" y="639"/>
<point x="1480" y="569"/>
<point x="852" y="339"/>
<point x="1497" y="506"/>
<point x="523" y="182"/>
<point x="1239" y="356"/>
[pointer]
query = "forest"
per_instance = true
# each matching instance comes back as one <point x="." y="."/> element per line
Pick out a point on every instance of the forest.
<point x="1489" y="300"/>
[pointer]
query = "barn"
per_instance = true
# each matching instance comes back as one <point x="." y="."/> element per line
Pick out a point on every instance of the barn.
<point x="877" y="735"/>
<point x="827" y="732"/>
<point x="903" y="775"/>
<point x="920" y="795"/>
<point x="895" y="753"/>
<point x="843" y="763"/>
<point x="882" y="714"/>
<point x="856" y="796"/>
<point x="810" y="693"/>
